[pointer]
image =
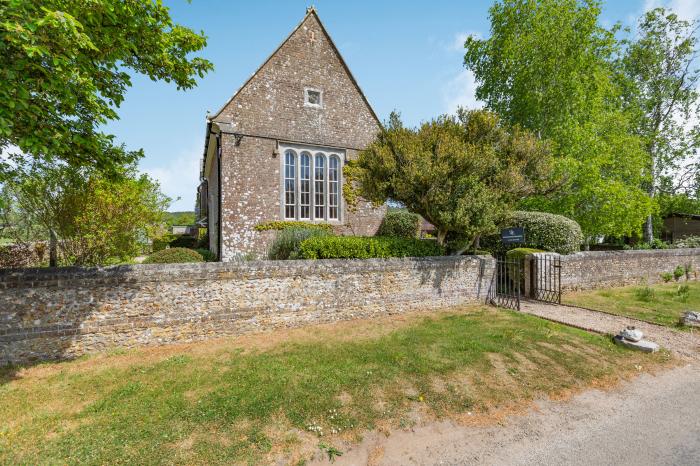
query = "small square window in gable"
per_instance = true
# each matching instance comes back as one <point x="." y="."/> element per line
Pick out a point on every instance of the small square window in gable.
<point x="313" y="98"/>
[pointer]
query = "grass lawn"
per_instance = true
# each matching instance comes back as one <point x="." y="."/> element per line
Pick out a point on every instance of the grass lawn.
<point x="662" y="304"/>
<point x="259" y="398"/>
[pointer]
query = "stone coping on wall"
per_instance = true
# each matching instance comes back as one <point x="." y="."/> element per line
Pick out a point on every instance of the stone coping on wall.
<point x="140" y="273"/>
<point x="643" y="253"/>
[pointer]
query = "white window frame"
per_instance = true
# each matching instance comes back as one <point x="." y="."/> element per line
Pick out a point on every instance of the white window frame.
<point x="327" y="153"/>
<point x="306" y="97"/>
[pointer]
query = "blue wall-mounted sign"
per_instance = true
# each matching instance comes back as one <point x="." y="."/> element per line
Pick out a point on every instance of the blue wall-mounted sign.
<point x="513" y="235"/>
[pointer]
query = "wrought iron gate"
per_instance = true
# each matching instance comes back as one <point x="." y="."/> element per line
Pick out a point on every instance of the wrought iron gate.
<point x="545" y="278"/>
<point x="507" y="287"/>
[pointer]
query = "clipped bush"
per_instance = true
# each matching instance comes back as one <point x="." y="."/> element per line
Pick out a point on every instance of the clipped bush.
<point x="282" y="225"/>
<point x="520" y="253"/>
<point x="666" y="276"/>
<point x="174" y="256"/>
<point x="517" y="255"/>
<point x="287" y="242"/>
<point x="400" y="224"/>
<point x="359" y="247"/>
<point x="546" y="231"/>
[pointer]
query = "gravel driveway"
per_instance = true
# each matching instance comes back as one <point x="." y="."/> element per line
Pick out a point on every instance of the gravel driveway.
<point x="685" y="344"/>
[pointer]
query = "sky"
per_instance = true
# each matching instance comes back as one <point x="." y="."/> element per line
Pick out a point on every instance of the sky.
<point x="405" y="54"/>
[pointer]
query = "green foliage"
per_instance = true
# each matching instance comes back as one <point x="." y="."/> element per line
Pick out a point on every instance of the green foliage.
<point x="357" y="247"/>
<point x="645" y="294"/>
<point x="174" y="256"/>
<point x="183" y="241"/>
<point x="517" y="254"/>
<point x="331" y="451"/>
<point x="543" y="230"/>
<point x="547" y="66"/>
<point x="462" y="174"/>
<point x="281" y="225"/>
<point x="206" y="254"/>
<point x="659" y="75"/>
<point x="666" y="276"/>
<point x="96" y="219"/>
<point x="688" y="242"/>
<point x="683" y="292"/>
<point x="678" y="272"/>
<point x="287" y="242"/>
<point x="67" y="65"/>
<point x="179" y="218"/>
<point x="400" y="223"/>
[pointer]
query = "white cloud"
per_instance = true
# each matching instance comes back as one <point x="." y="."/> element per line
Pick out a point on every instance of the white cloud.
<point x="179" y="178"/>
<point x="457" y="43"/>
<point x="460" y="91"/>
<point x="685" y="9"/>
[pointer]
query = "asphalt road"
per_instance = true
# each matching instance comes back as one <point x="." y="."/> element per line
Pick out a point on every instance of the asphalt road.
<point x="652" y="420"/>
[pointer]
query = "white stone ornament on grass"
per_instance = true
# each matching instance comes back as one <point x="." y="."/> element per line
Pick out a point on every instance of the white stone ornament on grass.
<point x="632" y="334"/>
<point x="645" y="346"/>
<point x="691" y="318"/>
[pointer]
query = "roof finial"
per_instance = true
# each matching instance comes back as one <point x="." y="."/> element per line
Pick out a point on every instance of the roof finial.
<point x="310" y="9"/>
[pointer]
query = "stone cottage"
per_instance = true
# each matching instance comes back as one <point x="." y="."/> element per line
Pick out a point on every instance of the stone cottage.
<point x="276" y="149"/>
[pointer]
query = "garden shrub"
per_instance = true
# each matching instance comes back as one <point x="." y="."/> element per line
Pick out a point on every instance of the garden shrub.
<point x="207" y="255"/>
<point x="173" y="256"/>
<point x="184" y="241"/>
<point x="400" y="224"/>
<point x="666" y="276"/>
<point x="688" y="242"/>
<point x="288" y="240"/>
<point x="517" y="255"/>
<point x="546" y="231"/>
<point x="678" y="272"/>
<point x="282" y="225"/>
<point x="520" y="253"/>
<point x="358" y="247"/>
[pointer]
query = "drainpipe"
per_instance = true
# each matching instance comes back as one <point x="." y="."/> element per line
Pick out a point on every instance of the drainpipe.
<point x="218" y="193"/>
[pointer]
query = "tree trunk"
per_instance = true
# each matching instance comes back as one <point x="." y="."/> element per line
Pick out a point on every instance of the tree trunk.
<point x="649" y="229"/>
<point x="441" y="235"/>
<point x="53" y="246"/>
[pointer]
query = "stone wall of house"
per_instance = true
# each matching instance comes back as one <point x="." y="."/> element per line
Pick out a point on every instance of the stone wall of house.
<point x="63" y="313"/>
<point x="270" y="109"/>
<point x="601" y="269"/>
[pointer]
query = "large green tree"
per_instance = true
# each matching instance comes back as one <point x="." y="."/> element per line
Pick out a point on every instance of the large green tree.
<point x="96" y="219"/>
<point x="547" y="66"/>
<point x="660" y="82"/>
<point x="463" y="174"/>
<point x="66" y="66"/>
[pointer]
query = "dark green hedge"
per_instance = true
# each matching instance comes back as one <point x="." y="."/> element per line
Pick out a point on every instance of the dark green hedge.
<point x="358" y="247"/>
<point x="401" y="224"/>
<point x="174" y="256"/>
